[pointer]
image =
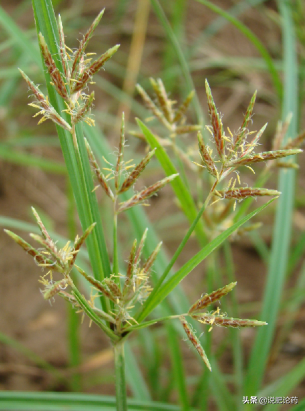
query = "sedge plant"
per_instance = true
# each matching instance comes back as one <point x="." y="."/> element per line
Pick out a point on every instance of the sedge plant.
<point x="121" y="300"/>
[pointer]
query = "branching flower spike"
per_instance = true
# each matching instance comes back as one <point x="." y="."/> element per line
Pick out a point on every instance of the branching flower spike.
<point x="51" y="257"/>
<point x="214" y="318"/>
<point x="121" y="172"/>
<point x="163" y="110"/>
<point x="70" y="80"/>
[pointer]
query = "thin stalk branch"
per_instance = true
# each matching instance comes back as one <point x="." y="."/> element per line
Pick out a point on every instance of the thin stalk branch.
<point x="115" y="267"/>
<point x="140" y="317"/>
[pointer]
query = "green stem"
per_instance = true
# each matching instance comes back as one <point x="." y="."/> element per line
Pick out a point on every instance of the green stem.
<point x="142" y="315"/>
<point x="115" y="267"/>
<point x="73" y="318"/>
<point x="149" y="323"/>
<point x="120" y="383"/>
<point x="74" y="347"/>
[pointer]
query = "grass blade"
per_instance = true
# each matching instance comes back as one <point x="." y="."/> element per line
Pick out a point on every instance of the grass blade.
<point x="182" y="193"/>
<point x="77" y="163"/>
<point x="134" y="377"/>
<point x="163" y="292"/>
<point x="177" y="365"/>
<point x="53" y="401"/>
<point x="282" y="230"/>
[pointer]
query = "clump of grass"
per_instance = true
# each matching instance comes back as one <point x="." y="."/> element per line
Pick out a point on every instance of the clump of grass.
<point x="129" y="297"/>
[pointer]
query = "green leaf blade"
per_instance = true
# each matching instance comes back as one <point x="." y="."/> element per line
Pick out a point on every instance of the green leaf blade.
<point x="193" y="262"/>
<point x="182" y="193"/>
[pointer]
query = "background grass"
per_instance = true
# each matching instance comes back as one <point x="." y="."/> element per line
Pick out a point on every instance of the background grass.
<point x="240" y="46"/>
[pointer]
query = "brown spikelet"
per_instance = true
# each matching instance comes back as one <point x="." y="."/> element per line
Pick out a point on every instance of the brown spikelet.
<point x="97" y="284"/>
<point x="79" y="242"/>
<point x="47" y="110"/>
<point x="50" y="292"/>
<point x="164" y="103"/>
<point x="206" y="157"/>
<point x="254" y="142"/>
<point x="94" y="68"/>
<point x="183" y="107"/>
<point x="241" y="192"/>
<point x="83" y="43"/>
<point x="130" y="268"/>
<point x="120" y="155"/>
<point x="216" y="122"/>
<point x="38" y="257"/>
<point x="43" y="230"/>
<point x="151" y="106"/>
<point x="55" y="74"/>
<point x="100" y="176"/>
<point x="265" y="156"/>
<point x="83" y="111"/>
<point x="146" y="193"/>
<point x="140" y="248"/>
<point x="50" y="247"/>
<point x="48" y="242"/>
<point x="208" y="299"/>
<point x="226" y="321"/>
<point x="194" y="340"/>
<point x="62" y="48"/>
<point x="114" y="289"/>
<point x="151" y="259"/>
<point x="243" y="131"/>
<point x="37" y="93"/>
<point x="133" y="176"/>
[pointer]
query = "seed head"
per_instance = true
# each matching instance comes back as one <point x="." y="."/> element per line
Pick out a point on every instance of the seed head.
<point x="194" y="340"/>
<point x="206" y="157"/>
<point x="208" y="299"/>
<point x="134" y="175"/>
<point x="226" y="321"/>
<point x="100" y="176"/>
<point x="240" y="193"/>
<point x="145" y="194"/>
<point x="94" y="68"/>
<point x="216" y="122"/>
<point x="55" y="74"/>
<point x="83" y="43"/>
<point x="265" y="156"/>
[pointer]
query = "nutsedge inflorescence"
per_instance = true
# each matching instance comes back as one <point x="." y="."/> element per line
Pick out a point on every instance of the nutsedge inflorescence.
<point x="224" y="156"/>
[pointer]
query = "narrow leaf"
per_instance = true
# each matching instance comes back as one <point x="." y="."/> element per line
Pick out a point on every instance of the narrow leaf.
<point x="163" y="292"/>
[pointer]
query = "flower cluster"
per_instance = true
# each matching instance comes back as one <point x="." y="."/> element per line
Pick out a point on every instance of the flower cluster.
<point x="71" y="82"/>
<point x="172" y="118"/>
<point x="50" y="256"/>
<point x="233" y="152"/>
<point x="213" y="318"/>
<point x="133" y="287"/>
<point x="125" y="176"/>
